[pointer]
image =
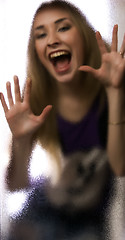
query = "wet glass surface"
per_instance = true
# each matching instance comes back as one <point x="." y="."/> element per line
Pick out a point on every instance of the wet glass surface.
<point x="21" y="218"/>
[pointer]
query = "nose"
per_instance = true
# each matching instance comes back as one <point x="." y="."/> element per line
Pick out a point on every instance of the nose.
<point x="53" y="40"/>
<point x="53" y="45"/>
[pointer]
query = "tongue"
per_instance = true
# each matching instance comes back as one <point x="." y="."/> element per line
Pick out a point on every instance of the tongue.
<point x="62" y="65"/>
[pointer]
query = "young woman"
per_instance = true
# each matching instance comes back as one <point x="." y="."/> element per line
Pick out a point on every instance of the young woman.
<point x="73" y="99"/>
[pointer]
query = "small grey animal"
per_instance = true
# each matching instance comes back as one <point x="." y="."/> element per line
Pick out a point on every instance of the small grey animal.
<point x="82" y="181"/>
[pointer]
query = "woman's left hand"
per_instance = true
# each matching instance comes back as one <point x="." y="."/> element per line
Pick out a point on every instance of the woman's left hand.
<point x="112" y="70"/>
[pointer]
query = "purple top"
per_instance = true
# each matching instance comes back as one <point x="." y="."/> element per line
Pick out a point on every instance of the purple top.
<point x="82" y="135"/>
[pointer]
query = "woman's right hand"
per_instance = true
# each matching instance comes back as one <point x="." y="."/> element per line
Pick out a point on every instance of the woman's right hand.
<point x="21" y="120"/>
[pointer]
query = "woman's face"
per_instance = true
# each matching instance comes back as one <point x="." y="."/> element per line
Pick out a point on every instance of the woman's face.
<point x="58" y="44"/>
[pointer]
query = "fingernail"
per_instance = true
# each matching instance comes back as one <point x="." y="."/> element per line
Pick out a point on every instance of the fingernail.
<point x="15" y="78"/>
<point x="29" y="80"/>
<point x="98" y="35"/>
<point x="8" y="84"/>
<point x="116" y="26"/>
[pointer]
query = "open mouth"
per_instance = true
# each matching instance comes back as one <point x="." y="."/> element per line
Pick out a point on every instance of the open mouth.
<point x="60" y="60"/>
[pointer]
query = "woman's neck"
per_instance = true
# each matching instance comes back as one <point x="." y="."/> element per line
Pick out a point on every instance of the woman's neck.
<point x="75" y="99"/>
<point x="74" y="88"/>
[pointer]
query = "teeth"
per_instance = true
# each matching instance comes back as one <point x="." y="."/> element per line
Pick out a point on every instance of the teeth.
<point x="57" y="54"/>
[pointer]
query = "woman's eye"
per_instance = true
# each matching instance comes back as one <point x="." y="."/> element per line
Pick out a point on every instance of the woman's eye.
<point x="42" y="35"/>
<point x="63" y="29"/>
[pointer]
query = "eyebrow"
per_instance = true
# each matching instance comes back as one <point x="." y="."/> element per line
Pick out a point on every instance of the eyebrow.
<point x="56" y="22"/>
<point x="60" y="20"/>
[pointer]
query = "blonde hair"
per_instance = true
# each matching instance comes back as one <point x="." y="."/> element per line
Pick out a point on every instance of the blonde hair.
<point x="43" y="86"/>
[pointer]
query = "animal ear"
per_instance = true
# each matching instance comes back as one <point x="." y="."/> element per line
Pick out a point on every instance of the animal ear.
<point x="95" y="152"/>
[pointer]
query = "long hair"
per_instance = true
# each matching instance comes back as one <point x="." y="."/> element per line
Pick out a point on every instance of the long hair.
<point x="43" y="88"/>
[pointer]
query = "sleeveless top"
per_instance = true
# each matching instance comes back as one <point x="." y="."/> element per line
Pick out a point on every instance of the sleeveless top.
<point x="88" y="133"/>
